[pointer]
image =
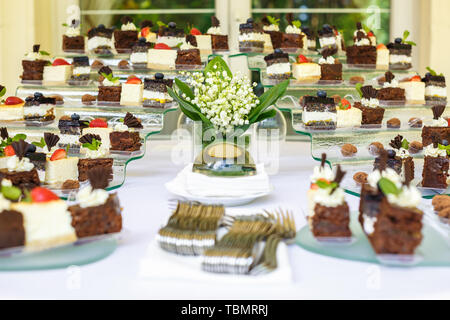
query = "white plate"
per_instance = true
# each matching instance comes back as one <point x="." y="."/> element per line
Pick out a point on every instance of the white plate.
<point x="180" y="191"/>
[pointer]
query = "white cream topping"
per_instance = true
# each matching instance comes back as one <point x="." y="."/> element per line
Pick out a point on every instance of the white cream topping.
<point x="431" y="151"/>
<point x="392" y="84"/>
<point x="81" y="70"/>
<point x="187" y="46"/>
<point x="369" y="224"/>
<point x="279" y="68"/>
<point x="441" y="122"/>
<point x="363" y="42"/>
<point x="272" y="27"/>
<point x="108" y="83"/>
<point x="435" y="91"/>
<point x="5" y="204"/>
<point x="121" y="127"/>
<point x="170" y="41"/>
<point x="214" y="30"/>
<point x="96" y="42"/>
<point x="128" y="27"/>
<point x="389" y="174"/>
<point x="293" y="30"/>
<point x="6" y="183"/>
<point x="87" y="197"/>
<point x="399" y="58"/>
<point x="138" y="57"/>
<point x="322" y="173"/>
<point x="328" y="60"/>
<point x="324" y="198"/>
<point x="72" y="32"/>
<point x="359" y="30"/>
<point x="403" y="153"/>
<point x="409" y="197"/>
<point x="371" y="103"/>
<point x="33" y="56"/>
<point x="14" y="164"/>
<point x="252" y="36"/>
<point x="95" y="154"/>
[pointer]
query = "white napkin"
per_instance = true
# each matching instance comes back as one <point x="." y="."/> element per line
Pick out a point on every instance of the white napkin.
<point x="201" y="185"/>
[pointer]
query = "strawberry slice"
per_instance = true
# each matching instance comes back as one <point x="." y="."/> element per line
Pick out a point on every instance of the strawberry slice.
<point x="40" y="194"/>
<point x="448" y="121"/>
<point x="10" y="101"/>
<point x="134" y="80"/>
<point x="98" y="123"/>
<point x="145" y="31"/>
<point x="58" y="155"/>
<point x="416" y="79"/>
<point x="381" y="46"/>
<point x="9" y="151"/>
<point x="195" y="32"/>
<point x="346" y="103"/>
<point x="302" y="59"/>
<point x="370" y="34"/>
<point x="60" y="62"/>
<point x="314" y="186"/>
<point x="162" y="46"/>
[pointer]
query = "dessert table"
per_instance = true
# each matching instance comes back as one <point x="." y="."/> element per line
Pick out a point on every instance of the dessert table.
<point x="146" y="208"/>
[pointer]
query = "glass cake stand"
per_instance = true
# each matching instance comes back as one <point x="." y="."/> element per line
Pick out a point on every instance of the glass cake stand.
<point x="432" y="252"/>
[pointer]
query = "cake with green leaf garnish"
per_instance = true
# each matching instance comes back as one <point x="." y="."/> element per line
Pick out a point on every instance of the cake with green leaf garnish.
<point x="435" y="88"/>
<point x="272" y="29"/>
<point x="439" y="125"/>
<point x="125" y="136"/>
<point x="95" y="157"/>
<point x="33" y="64"/>
<point x="372" y="113"/>
<point x="363" y="52"/>
<point x="73" y="41"/>
<point x="109" y="88"/>
<point x="400" y="53"/>
<point x="293" y="37"/>
<point x="436" y="163"/>
<point x="400" y="147"/>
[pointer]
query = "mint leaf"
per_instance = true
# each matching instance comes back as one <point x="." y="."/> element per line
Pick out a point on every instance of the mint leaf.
<point x="405" y="144"/>
<point x="11" y="193"/>
<point x="388" y="187"/>
<point x="2" y="93"/>
<point x="65" y="25"/>
<point x="161" y="24"/>
<point x="406" y="34"/>
<point x="433" y="73"/>
<point x="40" y="144"/>
<point x="92" y="146"/>
<point x="358" y="87"/>
<point x="325" y="184"/>
<point x="297" y="23"/>
<point x="273" y="20"/>
<point x="18" y="137"/>
<point x="411" y="43"/>
<point x="44" y="53"/>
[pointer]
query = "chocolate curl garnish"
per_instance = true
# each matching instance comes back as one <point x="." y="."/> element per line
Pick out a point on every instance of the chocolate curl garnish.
<point x="105" y="70"/>
<point x="98" y="177"/>
<point x="409" y="173"/>
<point x="338" y="177"/>
<point x="389" y="76"/>
<point x="323" y="160"/>
<point x="146" y="23"/>
<point x="126" y="19"/>
<point x="290" y="18"/>
<point x="328" y="52"/>
<point x="369" y="92"/>
<point x="397" y="142"/>
<point x="191" y="39"/>
<point x="132" y="122"/>
<point x="4" y="133"/>
<point x="436" y="139"/>
<point x="215" y="22"/>
<point x="36" y="48"/>
<point x="20" y="148"/>
<point x="265" y="21"/>
<point x="50" y="140"/>
<point x="87" y="138"/>
<point x="75" y="23"/>
<point x="383" y="160"/>
<point x="358" y="25"/>
<point x="438" y="110"/>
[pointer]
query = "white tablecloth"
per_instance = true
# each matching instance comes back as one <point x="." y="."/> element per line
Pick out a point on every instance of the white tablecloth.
<point x="145" y="203"/>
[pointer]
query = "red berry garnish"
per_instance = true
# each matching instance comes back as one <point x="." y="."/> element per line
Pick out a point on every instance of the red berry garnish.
<point x="60" y="62"/>
<point x="346" y="103"/>
<point x="9" y="151"/>
<point x="58" y="155"/>
<point x="302" y="59"/>
<point x="10" y="101"/>
<point x="370" y="34"/>
<point x="195" y="32"/>
<point x="145" y="31"/>
<point x="448" y="121"/>
<point x="40" y="194"/>
<point x="98" y="123"/>
<point x="416" y="79"/>
<point x="162" y="46"/>
<point x="381" y="46"/>
<point x="134" y="80"/>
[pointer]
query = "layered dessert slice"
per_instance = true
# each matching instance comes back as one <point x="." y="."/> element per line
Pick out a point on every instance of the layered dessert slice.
<point x="414" y="89"/>
<point x="132" y="92"/>
<point x="170" y="35"/>
<point x="139" y="53"/>
<point x="39" y="108"/>
<point x="126" y="37"/>
<point x="400" y="53"/>
<point x="219" y="41"/>
<point x="59" y="168"/>
<point x="204" y="42"/>
<point x="331" y="214"/>
<point x="100" y="40"/>
<point x="251" y="37"/>
<point x="11" y="108"/>
<point x="310" y="39"/>
<point x="96" y="211"/>
<point x="70" y="131"/>
<point x="293" y="38"/>
<point x="327" y="37"/>
<point x="436" y="164"/>
<point x="391" y="92"/>
<point x="362" y="52"/>
<point x="98" y="127"/>
<point x="372" y="113"/>
<point x="382" y="57"/>
<point x="340" y="43"/>
<point x="155" y="91"/>
<point x="12" y="231"/>
<point x="348" y="116"/>
<point x="330" y="68"/>
<point x="124" y="136"/>
<point x="73" y="41"/>
<point x="306" y="71"/>
<point x="439" y="126"/>
<point x="321" y="175"/>
<point x="161" y="57"/>
<point x="272" y="29"/>
<point x="96" y="156"/>
<point x="278" y="65"/>
<point x="58" y="72"/>
<point x="188" y="57"/>
<point x="81" y="71"/>
<point x="109" y="88"/>
<point x="402" y="156"/>
<point x="47" y="221"/>
<point x="319" y="112"/>
<point x="146" y="31"/>
<point x="435" y="88"/>
<point x="33" y="64"/>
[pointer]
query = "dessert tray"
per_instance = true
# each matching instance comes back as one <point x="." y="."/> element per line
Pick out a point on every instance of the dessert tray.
<point x="432" y="252"/>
